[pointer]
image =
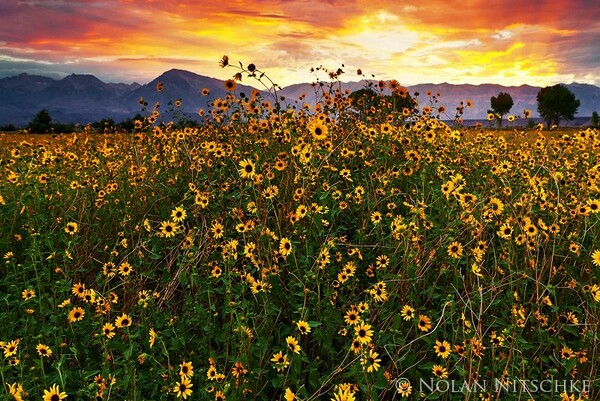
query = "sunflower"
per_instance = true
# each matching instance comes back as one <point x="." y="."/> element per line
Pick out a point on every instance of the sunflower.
<point x="76" y="314"/>
<point x="125" y="269"/>
<point x="247" y="168"/>
<point x="257" y="286"/>
<point x="183" y="388"/>
<point x="292" y="344"/>
<point x="186" y="369"/>
<point x="211" y="373"/>
<point x="217" y="230"/>
<point x="496" y="206"/>
<point x="28" y="294"/>
<point x="363" y="333"/>
<point x="318" y="129"/>
<point x="89" y="296"/>
<point x="108" y="330"/>
<point x="376" y="218"/>
<point x="567" y="353"/>
<point x="407" y="312"/>
<point x="455" y="250"/>
<point x="16" y="390"/>
<point x="382" y="261"/>
<point x="371" y="362"/>
<point x="343" y="394"/>
<point x="280" y="165"/>
<point x="71" y="228"/>
<point x="168" y="228"/>
<point x="123" y="321"/>
<point x="178" y="214"/>
<point x="303" y="327"/>
<point x="113" y="298"/>
<point x="356" y="346"/>
<point x="230" y="85"/>
<point x="596" y="257"/>
<point x="152" y="338"/>
<point x="594" y="205"/>
<point x="352" y="317"/>
<point x="442" y="349"/>
<point x="216" y="272"/>
<point x="530" y="230"/>
<point x="238" y="370"/>
<point x="496" y="340"/>
<point x="65" y="303"/>
<point x="280" y="360"/>
<point x="219" y="396"/>
<point x="10" y="348"/>
<point x="424" y="323"/>
<point x="440" y="371"/>
<point x="460" y="349"/>
<point x="505" y="231"/>
<point x="43" y="350"/>
<point x="572" y="318"/>
<point x="289" y="395"/>
<point x="285" y="246"/>
<point x="54" y="394"/>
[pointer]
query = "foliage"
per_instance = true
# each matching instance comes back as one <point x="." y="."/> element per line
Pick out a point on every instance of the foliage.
<point x="274" y="254"/>
<point x="130" y="123"/>
<point x="105" y="125"/>
<point x="8" y="128"/>
<point x="41" y="123"/>
<point x="367" y="101"/>
<point x="595" y="119"/>
<point x="501" y="105"/>
<point x="555" y="103"/>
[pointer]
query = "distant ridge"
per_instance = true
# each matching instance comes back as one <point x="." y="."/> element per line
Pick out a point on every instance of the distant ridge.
<point x="83" y="98"/>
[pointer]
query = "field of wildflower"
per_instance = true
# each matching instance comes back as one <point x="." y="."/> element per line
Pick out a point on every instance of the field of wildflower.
<point x="286" y="251"/>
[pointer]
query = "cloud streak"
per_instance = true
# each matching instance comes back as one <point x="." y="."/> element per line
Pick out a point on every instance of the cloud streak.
<point x="457" y="41"/>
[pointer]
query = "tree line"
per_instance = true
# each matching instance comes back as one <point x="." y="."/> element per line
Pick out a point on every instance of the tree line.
<point x="555" y="103"/>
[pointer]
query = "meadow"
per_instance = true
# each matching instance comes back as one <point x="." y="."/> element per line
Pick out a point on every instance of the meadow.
<point x="310" y="253"/>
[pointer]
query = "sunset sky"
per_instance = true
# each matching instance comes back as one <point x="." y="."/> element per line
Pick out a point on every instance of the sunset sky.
<point x="509" y="42"/>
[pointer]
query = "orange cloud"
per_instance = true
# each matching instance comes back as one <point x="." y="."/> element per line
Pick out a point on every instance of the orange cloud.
<point x="455" y="40"/>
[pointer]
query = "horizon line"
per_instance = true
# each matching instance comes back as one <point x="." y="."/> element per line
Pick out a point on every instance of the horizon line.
<point x="58" y="77"/>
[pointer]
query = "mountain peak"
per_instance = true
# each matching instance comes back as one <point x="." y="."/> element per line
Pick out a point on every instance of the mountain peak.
<point x="81" y="77"/>
<point x="178" y="73"/>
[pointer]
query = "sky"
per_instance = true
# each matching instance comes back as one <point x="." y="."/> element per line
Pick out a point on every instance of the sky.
<point x="508" y="42"/>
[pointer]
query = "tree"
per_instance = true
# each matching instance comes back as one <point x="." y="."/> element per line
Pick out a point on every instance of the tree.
<point x="595" y="119"/>
<point x="501" y="105"/>
<point x="366" y="99"/>
<point x="41" y="123"/>
<point x="556" y="102"/>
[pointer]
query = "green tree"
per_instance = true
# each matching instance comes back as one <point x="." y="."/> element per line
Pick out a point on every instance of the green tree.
<point x="366" y="99"/>
<point x="556" y="102"/>
<point x="129" y="124"/>
<point x="595" y="119"/>
<point x="41" y="123"/>
<point x="501" y="105"/>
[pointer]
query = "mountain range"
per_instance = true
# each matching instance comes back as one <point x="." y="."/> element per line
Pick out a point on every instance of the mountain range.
<point x="85" y="98"/>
